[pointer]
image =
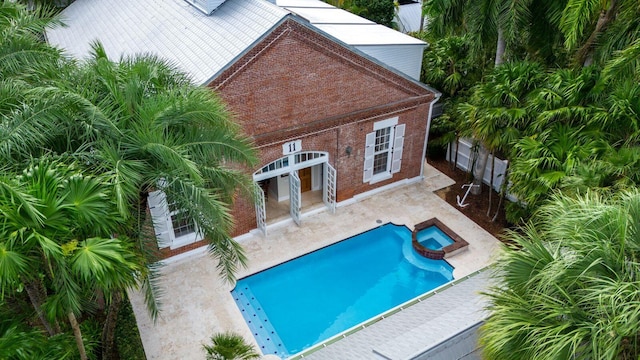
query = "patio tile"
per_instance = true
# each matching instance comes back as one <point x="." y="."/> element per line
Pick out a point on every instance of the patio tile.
<point x="197" y="303"/>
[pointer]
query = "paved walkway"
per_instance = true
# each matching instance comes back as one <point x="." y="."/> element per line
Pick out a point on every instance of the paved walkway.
<point x="197" y="304"/>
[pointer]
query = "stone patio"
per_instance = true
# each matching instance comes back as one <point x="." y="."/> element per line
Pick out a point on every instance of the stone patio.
<point x="196" y="303"/>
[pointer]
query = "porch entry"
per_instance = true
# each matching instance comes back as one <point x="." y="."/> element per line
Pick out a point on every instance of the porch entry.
<point x="292" y="183"/>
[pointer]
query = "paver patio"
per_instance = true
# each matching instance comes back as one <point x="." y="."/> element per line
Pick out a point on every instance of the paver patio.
<point x="197" y="303"/>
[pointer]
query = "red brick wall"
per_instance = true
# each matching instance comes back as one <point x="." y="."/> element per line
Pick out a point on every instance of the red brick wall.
<point x="297" y="84"/>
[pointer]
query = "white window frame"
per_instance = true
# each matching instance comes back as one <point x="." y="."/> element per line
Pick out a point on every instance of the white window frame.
<point x="163" y="225"/>
<point x="394" y="151"/>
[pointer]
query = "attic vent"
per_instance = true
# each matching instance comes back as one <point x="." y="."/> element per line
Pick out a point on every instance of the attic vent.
<point x="206" y="6"/>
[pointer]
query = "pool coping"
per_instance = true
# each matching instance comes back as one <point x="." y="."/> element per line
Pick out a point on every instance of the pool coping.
<point x="459" y="244"/>
<point x="386" y="314"/>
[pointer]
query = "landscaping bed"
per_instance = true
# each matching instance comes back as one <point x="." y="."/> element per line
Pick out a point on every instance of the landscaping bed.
<point x="478" y="204"/>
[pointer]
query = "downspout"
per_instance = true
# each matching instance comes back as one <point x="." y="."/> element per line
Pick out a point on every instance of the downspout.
<point x="426" y="135"/>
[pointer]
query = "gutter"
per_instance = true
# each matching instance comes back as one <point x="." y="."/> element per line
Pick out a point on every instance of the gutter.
<point x="426" y="136"/>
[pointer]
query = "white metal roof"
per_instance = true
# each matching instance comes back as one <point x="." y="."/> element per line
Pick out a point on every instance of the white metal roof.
<point x="346" y="27"/>
<point x="198" y="44"/>
<point x="304" y="3"/>
<point x="329" y="15"/>
<point x="368" y="35"/>
<point x="204" y="45"/>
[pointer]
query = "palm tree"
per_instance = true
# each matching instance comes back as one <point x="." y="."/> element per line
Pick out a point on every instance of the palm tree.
<point x="496" y="112"/>
<point x="158" y="130"/>
<point x="569" y="286"/>
<point x="23" y="54"/>
<point x="589" y="24"/>
<point x="579" y="127"/>
<point x="230" y="346"/>
<point x="135" y="124"/>
<point x="624" y="63"/>
<point x="21" y="342"/>
<point x="483" y="21"/>
<point x="65" y="241"/>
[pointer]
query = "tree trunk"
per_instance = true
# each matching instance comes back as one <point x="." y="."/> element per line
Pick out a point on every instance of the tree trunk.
<point x="455" y="160"/>
<point x="501" y="45"/>
<point x="503" y="191"/>
<point x="78" y="335"/>
<point x="109" y="349"/>
<point x="36" y="295"/>
<point x="493" y="166"/>
<point x="478" y="169"/>
<point x="584" y="55"/>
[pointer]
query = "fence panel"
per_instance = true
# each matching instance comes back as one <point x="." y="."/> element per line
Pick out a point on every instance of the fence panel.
<point x="465" y="162"/>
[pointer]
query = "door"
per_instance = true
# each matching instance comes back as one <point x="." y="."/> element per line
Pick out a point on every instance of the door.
<point x="329" y="193"/>
<point x="294" y="197"/>
<point x="305" y="179"/>
<point x="261" y="212"/>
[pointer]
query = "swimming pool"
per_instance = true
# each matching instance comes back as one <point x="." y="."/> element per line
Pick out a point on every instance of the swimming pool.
<point x="307" y="300"/>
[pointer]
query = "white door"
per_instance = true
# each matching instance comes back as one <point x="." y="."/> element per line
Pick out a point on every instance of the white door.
<point x="294" y="196"/>
<point x="329" y="193"/>
<point x="261" y="212"/>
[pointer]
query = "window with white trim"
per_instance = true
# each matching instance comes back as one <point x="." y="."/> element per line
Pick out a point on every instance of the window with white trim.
<point x="171" y="228"/>
<point x="383" y="150"/>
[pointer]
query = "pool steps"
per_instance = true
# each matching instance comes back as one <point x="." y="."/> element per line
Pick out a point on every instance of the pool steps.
<point x="258" y="322"/>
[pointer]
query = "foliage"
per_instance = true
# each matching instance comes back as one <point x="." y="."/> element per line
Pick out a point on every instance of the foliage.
<point x="81" y="145"/>
<point x="447" y="66"/>
<point x="230" y="346"/>
<point x="64" y="241"/>
<point x="21" y="342"/>
<point x="127" y="335"/>
<point x="379" y="11"/>
<point x="569" y="286"/>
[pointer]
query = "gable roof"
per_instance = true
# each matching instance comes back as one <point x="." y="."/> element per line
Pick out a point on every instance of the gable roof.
<point x="198" y="44"/>
<point x="202" y="45"/>
<point x="273" y="111"/>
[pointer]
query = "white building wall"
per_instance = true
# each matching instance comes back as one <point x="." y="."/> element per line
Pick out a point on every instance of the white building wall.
<point x="408" y="17"/>
<point x="404" y="58"/>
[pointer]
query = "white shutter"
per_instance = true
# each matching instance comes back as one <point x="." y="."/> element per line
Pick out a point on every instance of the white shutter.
<point x="261" y="212"/>
<point x="368" y="156"/>
<point x="294" y="197"/>
<point x="329" y="193"/>
<point x="157" y="201"/>
<point x="398" y="143"/>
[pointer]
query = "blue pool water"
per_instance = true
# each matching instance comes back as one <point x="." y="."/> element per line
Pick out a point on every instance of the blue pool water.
<point x="433" y="238"/>
<point x="307" y="300"/>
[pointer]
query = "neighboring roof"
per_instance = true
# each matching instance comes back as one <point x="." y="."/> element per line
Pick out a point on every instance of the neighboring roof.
<point x="328" y="15"/>
<point x="202" y="45"/>
<point x="198" y="44"/>
<point x="409" y="16"/>
<point x="356" y="35"/>
<point x="345" y="26"/>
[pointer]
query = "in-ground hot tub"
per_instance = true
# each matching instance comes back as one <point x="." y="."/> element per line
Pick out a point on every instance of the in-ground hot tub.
<point x="434" y="240"/>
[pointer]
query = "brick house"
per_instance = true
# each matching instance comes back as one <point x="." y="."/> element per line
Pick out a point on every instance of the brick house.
<point x="331" y="100"/>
